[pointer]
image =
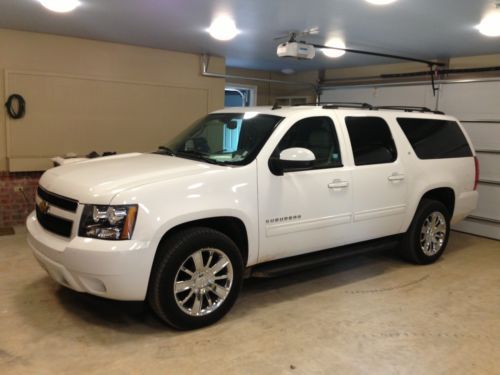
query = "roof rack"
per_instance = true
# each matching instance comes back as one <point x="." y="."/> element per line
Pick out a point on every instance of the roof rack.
<point x="408" y="109"/>
<point x="335" y="105"/>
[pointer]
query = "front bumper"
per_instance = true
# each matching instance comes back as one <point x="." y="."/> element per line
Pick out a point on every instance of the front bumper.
<point x="111" y="269"/>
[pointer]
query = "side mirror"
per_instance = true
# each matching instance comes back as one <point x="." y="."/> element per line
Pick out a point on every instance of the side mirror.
<point x="295" y="158"/>
<point x="297" y="154"/>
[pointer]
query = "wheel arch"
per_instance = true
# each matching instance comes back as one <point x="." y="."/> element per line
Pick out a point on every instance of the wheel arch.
<point x="231" y="226"/>
<point x="445" y="195"/>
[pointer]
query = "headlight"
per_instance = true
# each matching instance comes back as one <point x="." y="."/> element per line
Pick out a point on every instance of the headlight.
<point x="108" y="222"/>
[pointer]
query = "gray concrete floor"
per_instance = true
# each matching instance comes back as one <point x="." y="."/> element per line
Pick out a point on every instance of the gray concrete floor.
<point x="363" y="315"/>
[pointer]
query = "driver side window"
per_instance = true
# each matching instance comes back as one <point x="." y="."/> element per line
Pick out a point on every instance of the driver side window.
<point x="316" y="134"/>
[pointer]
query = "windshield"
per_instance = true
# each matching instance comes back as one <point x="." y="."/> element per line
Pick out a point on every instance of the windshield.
<point x="223" y="138"/>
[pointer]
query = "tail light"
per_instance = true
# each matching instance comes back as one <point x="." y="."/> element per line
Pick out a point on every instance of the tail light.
<point x="476" y="176"/>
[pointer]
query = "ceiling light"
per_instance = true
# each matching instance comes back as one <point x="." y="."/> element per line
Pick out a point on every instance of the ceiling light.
<point x="60" y="6"/>
<point x="334" y="42"/>
<point x="381" y="2"/>
<point x="223" y="28"/>
<point x="490" y="24"/>
<point x="287" y="71"/>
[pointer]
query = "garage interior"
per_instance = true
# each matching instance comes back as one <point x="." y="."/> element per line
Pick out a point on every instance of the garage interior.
<point x="118" y="76"/>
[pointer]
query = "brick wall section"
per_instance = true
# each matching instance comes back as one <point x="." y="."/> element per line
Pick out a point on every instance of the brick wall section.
<point x="16" y="205"/>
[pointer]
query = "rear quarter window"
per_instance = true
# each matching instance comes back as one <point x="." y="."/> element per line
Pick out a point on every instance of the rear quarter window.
<point x="435" y="139"/>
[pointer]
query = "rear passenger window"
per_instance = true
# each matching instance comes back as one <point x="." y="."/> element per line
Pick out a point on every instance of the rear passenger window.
<point x="371" y="140"/>
<point x="435" y="139"/>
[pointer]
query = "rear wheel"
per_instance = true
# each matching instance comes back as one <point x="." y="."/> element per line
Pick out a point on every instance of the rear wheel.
<point x="196" y="278"/>
<point x="427" y="237"/>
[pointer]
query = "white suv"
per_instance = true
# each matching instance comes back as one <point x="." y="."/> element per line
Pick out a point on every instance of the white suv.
<point x="254" y="191"/>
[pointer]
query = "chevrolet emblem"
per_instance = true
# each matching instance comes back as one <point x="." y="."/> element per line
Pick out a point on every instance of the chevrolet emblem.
<point x="43" y="206"/>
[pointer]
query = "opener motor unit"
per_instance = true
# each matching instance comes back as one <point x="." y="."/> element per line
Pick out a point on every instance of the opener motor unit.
<point x="296" y="50"/>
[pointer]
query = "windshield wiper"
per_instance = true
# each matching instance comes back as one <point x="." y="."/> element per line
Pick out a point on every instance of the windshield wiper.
<point x="199" y="156"/>
<point x="165" y="150"/>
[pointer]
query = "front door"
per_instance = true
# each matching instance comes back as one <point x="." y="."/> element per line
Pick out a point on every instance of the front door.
<point x="309" y="209"/>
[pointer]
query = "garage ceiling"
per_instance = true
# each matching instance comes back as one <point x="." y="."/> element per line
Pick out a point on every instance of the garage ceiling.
<point x="427" y="29"/>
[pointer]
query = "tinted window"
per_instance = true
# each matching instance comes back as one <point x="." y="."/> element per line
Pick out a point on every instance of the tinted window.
<point x="435" y="139"/>
<point x="318" y="135"/>
<point x="371" y="140"/>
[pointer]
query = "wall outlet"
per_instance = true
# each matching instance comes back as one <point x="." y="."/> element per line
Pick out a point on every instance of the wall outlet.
<point x="18" y="188"/>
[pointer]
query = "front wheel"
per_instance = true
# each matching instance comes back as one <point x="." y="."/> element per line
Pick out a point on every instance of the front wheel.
<point x="427" y="237"/>
<point x="196" y="278"/>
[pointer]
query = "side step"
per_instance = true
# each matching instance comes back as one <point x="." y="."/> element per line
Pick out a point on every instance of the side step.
<point x="321" y="258"/>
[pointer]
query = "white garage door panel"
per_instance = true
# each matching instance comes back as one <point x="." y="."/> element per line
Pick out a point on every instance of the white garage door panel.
<point x="397" y="95"/>
<point x="489" y="167"/>
<point x="477" y="105"/>
<point x="359" y="95"/>
<point x="489" y="204"/>
<point x="471" y="101"/>
<point x="479" y="227"/>
<point x="484" y="136"/>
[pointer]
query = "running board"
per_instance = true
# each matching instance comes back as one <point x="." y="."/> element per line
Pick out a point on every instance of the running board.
<point x="321" y="258"/>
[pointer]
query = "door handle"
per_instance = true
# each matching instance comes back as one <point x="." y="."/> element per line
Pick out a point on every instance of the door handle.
<point x="396" y="177"/>
<point x="338" y="184"/>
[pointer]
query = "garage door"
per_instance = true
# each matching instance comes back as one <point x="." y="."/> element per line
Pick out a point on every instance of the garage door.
<point x="477" y="105"/>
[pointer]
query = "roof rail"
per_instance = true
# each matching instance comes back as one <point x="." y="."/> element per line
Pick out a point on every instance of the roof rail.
<point x="275" y="106"/>
<point x="335" y="105"/>
<point x="406" y="108"/>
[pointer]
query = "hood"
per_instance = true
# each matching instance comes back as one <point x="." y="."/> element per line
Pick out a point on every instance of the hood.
<point x="98" y="180"/>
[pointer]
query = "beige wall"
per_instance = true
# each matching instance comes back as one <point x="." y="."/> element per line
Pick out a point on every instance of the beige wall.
<point x="475" y="61"/>
<point x="263" y="88"/>
<point x="85" y="95"/>
<point x="375" y="70"/>
<point x="268" y="92"/>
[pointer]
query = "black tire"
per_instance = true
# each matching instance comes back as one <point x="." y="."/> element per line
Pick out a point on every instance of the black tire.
<point x="414" y="241"/>
<point x="181" y="249"/>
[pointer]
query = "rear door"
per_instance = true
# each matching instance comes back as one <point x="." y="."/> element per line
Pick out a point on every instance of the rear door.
<point x="378" y="178"/>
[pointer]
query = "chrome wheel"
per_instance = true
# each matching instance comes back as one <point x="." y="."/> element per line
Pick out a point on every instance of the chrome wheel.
<point x="203" y="282"/>
<point x="433" y="233"/>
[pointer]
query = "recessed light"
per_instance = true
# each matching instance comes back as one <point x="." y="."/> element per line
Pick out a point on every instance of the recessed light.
<point x="223" y="28"/>
<point x="381" y="2"/>
<point x="333" y="53"/>
<point x="287" y="71"/>
<point x="490" y="24"/>
<point x="60" y="6"/>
